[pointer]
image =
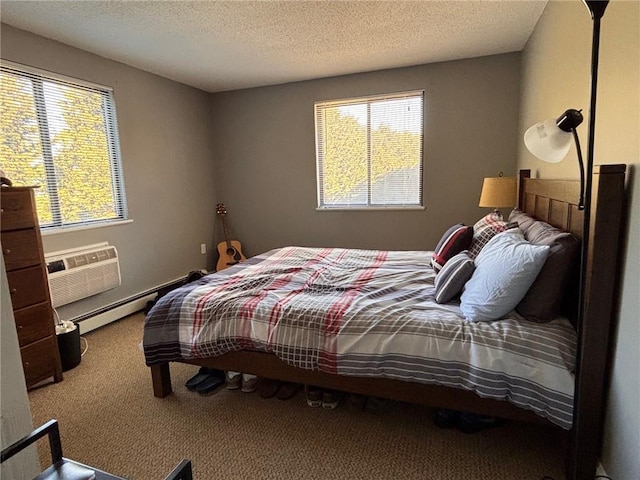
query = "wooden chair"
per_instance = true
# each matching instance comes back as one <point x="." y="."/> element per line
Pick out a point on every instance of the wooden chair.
<point x="62" y="468"/>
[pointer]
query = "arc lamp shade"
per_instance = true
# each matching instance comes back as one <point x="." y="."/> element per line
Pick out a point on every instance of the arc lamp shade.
<point x="550" y="140"/>
<point x="547" y="141"/>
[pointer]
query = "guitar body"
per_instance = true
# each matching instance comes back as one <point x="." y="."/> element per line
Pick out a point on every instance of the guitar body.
<point x="229" y="253"/>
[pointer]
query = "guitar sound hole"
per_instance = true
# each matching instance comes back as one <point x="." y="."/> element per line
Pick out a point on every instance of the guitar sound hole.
<point x="234" y="254"/>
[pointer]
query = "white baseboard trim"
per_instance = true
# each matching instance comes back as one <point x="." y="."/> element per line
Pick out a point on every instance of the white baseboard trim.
<point x="114" y="314"/>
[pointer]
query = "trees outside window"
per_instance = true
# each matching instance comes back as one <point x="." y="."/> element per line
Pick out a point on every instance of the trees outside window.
<point x="369" y="151"/>
<point x="61" y="134"/>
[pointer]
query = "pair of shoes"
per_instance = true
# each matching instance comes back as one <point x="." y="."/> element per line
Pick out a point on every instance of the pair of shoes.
<point x="250" y="385"/>
<point x="268" y="388"/>
<point x="234" y="382"/>
<point x="210" y="384"/>
<point x="322" y="398"/>
<point x="377" y="405"/>
<point x="464" y="421"/>
<point x="445" y="418"/>
<point x="198" y="378"/>
<point x="287" y="390"/>
<point x="472" y="423"/>
<point x="314" y="396"/>
<point x="330" y="399"/>
<point x="356" y="402"/>
<point x="282" y="390"/>
<point x="206" y="380"/>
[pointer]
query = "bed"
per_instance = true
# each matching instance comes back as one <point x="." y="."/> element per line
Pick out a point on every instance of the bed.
<point x="365" y="322"/>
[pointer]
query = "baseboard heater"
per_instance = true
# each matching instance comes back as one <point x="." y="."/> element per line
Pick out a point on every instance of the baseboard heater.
<point x="82" y="272"/>
<point x="115" y="311"/>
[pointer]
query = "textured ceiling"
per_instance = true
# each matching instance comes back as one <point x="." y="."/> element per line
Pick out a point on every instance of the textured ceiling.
<point x="228" y="45"/>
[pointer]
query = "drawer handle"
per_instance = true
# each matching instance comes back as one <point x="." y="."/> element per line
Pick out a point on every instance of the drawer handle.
<point x="7" y="251"/>
<point x="14" y="290"/>
<point x="20" y="327"/>
<point x="26" y="364"/>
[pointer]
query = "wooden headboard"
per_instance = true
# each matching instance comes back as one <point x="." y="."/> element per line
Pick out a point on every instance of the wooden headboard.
<point x="556" y="201"/>
<point x="552" y="201"/>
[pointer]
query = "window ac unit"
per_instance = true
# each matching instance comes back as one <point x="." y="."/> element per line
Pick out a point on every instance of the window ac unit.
<point x="82" y="272"/>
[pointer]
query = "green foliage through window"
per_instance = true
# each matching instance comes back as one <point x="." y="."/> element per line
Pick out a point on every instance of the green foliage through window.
<point x="61" y="135"/>
<point x="369" y="151"/>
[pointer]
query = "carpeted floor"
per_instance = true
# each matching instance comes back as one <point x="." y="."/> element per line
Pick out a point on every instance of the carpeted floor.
<point x="109" y="418"/>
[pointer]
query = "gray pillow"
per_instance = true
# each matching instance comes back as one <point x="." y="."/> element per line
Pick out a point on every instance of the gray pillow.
<point x="523" y="220"/>
<point x="453" y="276"/>
<point x="543" y="302"/>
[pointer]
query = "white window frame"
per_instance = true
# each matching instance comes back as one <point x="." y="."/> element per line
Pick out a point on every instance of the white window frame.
<point x="369" y="206"/>
<point x="37" y="77"/>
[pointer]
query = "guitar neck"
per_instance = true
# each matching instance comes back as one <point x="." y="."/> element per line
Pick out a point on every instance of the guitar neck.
<point x="226" y="231"/>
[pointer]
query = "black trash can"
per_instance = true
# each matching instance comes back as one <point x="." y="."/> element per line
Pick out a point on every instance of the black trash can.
<point x="69" y="346"/>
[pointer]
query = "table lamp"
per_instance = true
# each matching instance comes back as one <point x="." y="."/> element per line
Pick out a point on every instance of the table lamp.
<point x="498" y="192"/>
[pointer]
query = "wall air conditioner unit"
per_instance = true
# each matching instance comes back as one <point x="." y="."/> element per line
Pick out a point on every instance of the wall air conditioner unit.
<point x="81" y="272"/>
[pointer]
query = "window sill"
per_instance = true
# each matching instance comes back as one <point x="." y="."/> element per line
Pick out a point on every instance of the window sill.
<point x="77" y="228"/>
<point x="367" y="209"/>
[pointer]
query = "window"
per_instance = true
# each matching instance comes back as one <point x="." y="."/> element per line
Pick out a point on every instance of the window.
<point x="61" y="134"/>
<point x="369" y="152"/>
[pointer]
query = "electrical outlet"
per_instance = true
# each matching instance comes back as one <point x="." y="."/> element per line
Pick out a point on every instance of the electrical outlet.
<point x="203" y="248"/>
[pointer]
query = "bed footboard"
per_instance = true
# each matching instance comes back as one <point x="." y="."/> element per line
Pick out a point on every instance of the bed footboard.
<point x="161" y="378"/>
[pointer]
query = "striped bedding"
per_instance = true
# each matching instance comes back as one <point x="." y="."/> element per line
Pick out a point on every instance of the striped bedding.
<point x="365" y="313"/>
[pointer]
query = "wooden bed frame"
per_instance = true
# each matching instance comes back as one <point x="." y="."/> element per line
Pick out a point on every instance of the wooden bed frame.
<point x="555" y="202"/>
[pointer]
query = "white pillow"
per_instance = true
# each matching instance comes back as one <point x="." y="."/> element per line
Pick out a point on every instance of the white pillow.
<point x="505" y="269"/>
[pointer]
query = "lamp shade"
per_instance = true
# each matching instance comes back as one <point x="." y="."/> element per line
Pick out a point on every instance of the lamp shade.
<point x="498" y="192"/>
<point x="547" y="141"/>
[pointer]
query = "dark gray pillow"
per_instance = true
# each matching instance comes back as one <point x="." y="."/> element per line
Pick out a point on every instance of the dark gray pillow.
<point x="451" y="279"/>
<point x="543" y="301"/>
<point x="524" y="220"/>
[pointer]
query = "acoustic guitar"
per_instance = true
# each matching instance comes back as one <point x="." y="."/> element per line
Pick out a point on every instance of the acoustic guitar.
<point x="229" y="251"/>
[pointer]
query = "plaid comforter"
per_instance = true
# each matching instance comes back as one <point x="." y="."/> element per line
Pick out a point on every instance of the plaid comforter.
<point x="364" y="313"/>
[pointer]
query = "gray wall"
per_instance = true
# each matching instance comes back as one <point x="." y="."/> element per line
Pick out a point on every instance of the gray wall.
<point x="165" y="134"/>
<point x="265" y="155"/>
<point x="556" y="72"/>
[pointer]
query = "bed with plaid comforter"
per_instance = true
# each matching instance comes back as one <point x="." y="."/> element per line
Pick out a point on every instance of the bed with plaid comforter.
<point x="365" y="313"/>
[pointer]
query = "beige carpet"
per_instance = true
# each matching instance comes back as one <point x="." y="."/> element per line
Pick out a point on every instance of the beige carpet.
<point x="109" y="418"/>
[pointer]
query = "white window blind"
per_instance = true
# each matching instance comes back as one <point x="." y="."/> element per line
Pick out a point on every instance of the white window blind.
<point x="369" y="151"/>
<point x="61" y="134"/>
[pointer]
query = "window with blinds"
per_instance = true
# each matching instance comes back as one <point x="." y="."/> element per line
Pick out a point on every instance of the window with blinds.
<point x="369" y="151"/>
<point x="61" y="134"/>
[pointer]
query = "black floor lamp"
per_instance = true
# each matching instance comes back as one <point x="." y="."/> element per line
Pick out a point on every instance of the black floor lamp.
<point x="550" y="141"/>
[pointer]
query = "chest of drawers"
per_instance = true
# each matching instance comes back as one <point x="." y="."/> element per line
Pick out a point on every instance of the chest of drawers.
<point x="27" y="278"/>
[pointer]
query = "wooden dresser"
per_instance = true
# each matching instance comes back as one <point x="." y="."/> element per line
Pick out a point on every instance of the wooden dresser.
<point x="27" y="277"/>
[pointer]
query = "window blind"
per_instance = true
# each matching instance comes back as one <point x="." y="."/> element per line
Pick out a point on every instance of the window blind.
<point x="369" y="151"/>
<point x="61" y="134"/>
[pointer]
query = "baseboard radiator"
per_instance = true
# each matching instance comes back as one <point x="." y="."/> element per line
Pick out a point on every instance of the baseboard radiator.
<point x="115" y="311"/>
<point x="82" y="272"/>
